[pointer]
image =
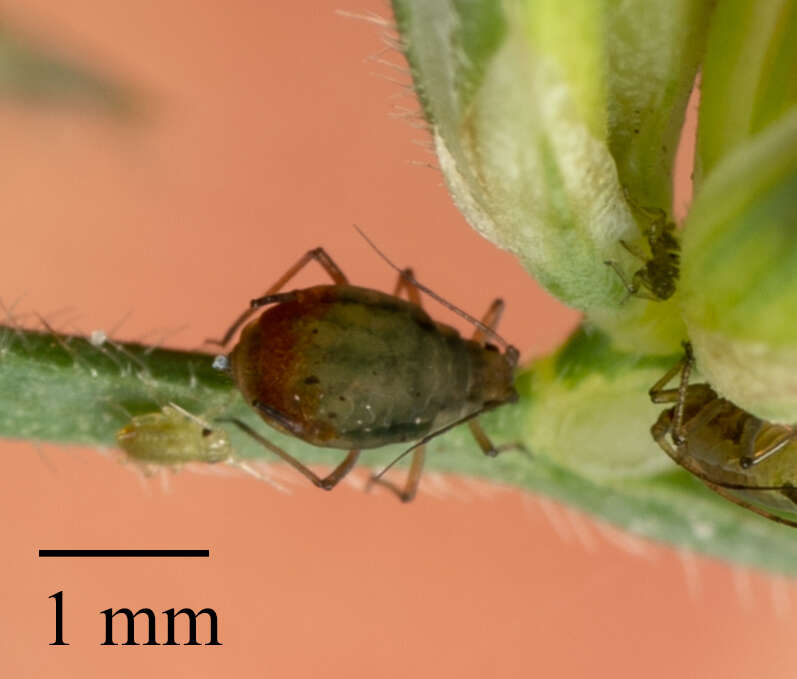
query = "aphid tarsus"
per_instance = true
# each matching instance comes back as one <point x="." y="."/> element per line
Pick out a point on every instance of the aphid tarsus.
<point x="347" y="367"/>
<point x="747" y="460"/>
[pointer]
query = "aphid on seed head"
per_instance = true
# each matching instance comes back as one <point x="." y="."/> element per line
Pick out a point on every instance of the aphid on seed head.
<point x="345" y="367"/>
<point x="745" y="459"/>
<point x="659" y="274"/>
<point x="172" y="436"/>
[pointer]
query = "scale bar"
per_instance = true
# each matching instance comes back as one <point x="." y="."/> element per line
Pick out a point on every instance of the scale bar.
<point x="124" y="552"/>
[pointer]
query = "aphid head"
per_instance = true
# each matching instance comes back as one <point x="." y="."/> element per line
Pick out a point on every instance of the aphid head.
<point x="215" y="442"/>
<point x="512" y="356"/>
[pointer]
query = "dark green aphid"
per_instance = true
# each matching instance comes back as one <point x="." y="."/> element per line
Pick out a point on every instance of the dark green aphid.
<point x="658" y="277"/>
<point x="747" y="460"/>
<point x="346" y="367"/>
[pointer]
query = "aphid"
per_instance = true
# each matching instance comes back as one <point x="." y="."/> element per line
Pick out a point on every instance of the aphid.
<point x="658" y="276"/>
<point x="747" y="460"/>
<point x="172" y="436"/>
<point x="346" y="367"/>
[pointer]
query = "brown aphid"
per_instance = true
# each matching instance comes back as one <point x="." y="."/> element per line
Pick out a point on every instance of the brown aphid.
<point x="346" y="367"/>
<point x="747" y="460"/>
<point x="658" y="277"/>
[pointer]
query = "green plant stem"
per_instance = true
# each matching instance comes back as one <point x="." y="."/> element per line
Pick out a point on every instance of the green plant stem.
<point x="64" y="389"/>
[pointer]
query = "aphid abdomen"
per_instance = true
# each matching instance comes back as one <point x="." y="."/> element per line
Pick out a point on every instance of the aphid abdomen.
<point x="348" y="367"/>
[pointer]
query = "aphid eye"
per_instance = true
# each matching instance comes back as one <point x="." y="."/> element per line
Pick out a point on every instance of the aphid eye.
<point x="490" y="347"/>
<point x="206" y="431"/>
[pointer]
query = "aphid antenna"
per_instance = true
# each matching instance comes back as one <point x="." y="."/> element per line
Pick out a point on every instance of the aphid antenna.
<point x="190" y="416"/>
<point x="424" y="440"/>
<point x="431" y="293"/>
<point x="251" y="471"/>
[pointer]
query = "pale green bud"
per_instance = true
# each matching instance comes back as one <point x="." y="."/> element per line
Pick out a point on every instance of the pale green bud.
<point x="543" y="112"/>
<point x="739" y="274"/>
<point x="590" y="410"/>
<point x="748" y="75"/>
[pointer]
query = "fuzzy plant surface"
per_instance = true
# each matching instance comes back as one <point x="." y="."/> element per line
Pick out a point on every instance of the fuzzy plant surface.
<point x="556" y="132"/>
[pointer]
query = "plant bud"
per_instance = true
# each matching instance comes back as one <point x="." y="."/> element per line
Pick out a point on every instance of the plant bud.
<point x="541" y="118"/>
<point x="739" y="274"/>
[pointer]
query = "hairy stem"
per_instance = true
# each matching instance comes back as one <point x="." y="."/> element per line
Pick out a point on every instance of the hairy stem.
<point x="71" y="390"/>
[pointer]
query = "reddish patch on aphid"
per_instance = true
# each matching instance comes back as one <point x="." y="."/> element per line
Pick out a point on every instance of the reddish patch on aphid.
<point x="269" y="367"/>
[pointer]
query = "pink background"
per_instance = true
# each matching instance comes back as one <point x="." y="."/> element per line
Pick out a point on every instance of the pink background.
<point x="269" y="132"/>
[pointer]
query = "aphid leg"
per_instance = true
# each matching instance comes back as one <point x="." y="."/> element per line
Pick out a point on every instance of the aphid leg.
<point x="486" y="444"/>
<point x="635" y="251"/>
<point x="658" y="394"/>
<point x="630" y="288"/>
<point x="510" y="350"/>
<point x="659" y="431"/>
<point x="327" y="482"/>
<point x="317" y="254"/>
<point x="248" y="469"/>
<point x="654" y="214"/>
<point x="635" y="287"/>
<point x="641" y="286"/>
<point x="413" y="477"/>
<point x="767" y="451"/>
<point x="678" y="430"/>
<point x="406" y="283"/>
<point x="490" y="320"/>
<point x="704" y="417"/>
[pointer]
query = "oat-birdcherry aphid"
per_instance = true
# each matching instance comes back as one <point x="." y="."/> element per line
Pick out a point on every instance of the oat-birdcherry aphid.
<point x="657" y="278"/>
<point x="347" y="367"/>
<point x="173" y="436"/>
<point x="747" y="460"/>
